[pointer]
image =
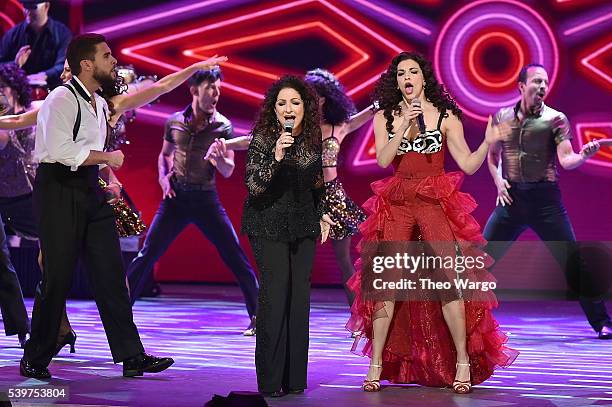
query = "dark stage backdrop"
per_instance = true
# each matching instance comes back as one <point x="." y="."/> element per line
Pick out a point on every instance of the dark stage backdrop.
<point x="477" y="48"/>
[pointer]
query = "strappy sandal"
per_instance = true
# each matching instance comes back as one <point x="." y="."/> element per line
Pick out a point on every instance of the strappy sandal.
<point x="371" y="386"/>
<point x="462" y="387"/>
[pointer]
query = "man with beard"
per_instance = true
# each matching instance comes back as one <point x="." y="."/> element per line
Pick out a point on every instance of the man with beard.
<point x="38" y="44"/>
<point x="189" y="190"/>
<point x="528" y="194"/>
<point x="74" y="217"/>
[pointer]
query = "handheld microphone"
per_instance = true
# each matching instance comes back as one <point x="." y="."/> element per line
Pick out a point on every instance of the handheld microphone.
<point x="289" y="125"/>
<point x="420" y="120"/>
<point x="288" y="128"/>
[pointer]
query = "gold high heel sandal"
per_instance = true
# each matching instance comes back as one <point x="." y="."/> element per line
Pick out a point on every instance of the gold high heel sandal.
<point x="371" y="386"/>
<point x="462" y="387"/>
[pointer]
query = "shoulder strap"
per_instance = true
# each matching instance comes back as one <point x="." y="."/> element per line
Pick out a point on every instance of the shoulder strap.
<point x="442" y="116"/>
<point x="77" y="123"/>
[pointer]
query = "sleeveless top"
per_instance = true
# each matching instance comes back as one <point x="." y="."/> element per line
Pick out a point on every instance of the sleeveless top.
<point x="423" y="156"/>
<point x="429" y="142"/>
<point x="331" y="148"/>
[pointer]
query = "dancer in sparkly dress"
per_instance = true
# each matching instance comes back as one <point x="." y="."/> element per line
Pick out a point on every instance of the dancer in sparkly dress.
<point x="338" y="119"/>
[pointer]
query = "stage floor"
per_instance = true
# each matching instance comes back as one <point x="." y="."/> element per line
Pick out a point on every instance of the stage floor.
<point x="561" y="364"/>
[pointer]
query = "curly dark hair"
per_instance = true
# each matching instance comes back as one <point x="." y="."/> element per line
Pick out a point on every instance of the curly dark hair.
<point x="387" y="94"/>
<point x="15" y="78"/>
<point x="268" y="126"/>
<point x="338" y="107"/>
<point x="107" y="92"/>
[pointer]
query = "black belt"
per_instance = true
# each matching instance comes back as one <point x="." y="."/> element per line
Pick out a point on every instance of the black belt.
<point x="533" y="185"/>
<point x="186" y="187"/>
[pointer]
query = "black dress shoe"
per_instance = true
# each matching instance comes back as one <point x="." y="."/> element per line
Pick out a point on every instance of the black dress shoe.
<point x="250" y="331"/>
<point x="605" y="332"/>
<point x="29" y="370"/>
<point x="144" y="363"/>
<point x="272" y="393"/>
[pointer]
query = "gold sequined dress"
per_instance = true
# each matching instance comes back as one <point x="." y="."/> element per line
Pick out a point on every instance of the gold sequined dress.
<point x="340" y="207"/>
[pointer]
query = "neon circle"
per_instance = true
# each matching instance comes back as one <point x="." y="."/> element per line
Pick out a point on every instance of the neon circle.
<point x="537" y="44"/>
<point x="508" y="38"/>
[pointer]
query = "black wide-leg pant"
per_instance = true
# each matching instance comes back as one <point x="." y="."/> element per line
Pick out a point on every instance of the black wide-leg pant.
<point x="14" y="314"/>
<point x="538" y="206"/>
<point x="74" y="219"/>
<point x="281" y="353"/>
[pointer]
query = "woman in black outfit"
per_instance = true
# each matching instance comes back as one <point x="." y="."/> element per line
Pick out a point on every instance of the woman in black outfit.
<point x="283" y="216"/>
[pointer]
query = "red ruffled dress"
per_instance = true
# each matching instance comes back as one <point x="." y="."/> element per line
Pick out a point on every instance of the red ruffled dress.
<point x="420" y="197"/>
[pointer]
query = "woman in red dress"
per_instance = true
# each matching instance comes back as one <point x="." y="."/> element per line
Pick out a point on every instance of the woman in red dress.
<point x="433" y="341"/>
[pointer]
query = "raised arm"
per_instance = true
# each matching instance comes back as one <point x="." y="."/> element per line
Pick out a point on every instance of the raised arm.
<point x="359" y="119"/>
<point x="238" y="143"/>
<point x="386" y="149"/>
<point x="569" y="159"/>
<point x="565" y="152"/>
<point x="19" y="121"/>
<point x="125" y="102"/>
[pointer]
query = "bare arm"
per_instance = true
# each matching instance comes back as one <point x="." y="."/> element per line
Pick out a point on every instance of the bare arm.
<point x="386" y="149"/>
<point x="225" y="163"/>
<point x="164" y="161"/>
<point x="19" y="121"/>
<point x="494" y="160"/>
<point x="359" y="119"/>
<point x="468" y="161"/>
<point x="109" y="176"/>
<point x="569" y="159"/>
<point x="164" y="169"/>
<point x="114" y="159"/>
<point x="4" y="139"/>
<point x="238" y="143"/>
<point x="125" y="102"/>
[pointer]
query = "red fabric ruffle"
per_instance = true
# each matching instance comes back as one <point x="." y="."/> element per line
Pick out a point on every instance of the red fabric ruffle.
<point x="419" y="347"/>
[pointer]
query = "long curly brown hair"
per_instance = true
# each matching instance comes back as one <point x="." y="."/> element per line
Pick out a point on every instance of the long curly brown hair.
<point x="269" y="128"/>
<point x="387" y="94"/>
<point x="338" y="107"/>
<point x="16" y="79"/>
<point x="107" y="92"/>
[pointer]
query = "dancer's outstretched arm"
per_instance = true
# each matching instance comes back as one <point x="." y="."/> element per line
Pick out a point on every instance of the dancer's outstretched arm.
<point x="359" y="119"/>
<point x="129" y="101"/>
<point x="19" y="121"/>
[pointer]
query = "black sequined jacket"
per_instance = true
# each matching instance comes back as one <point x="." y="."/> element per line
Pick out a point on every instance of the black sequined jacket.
<point x="285" y="201"/>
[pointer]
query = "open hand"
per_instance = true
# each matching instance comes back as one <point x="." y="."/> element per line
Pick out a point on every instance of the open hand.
<point x="326" y="223"/>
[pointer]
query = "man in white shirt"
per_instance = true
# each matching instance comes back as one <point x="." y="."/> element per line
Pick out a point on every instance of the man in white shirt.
<point x="74" y="217"/>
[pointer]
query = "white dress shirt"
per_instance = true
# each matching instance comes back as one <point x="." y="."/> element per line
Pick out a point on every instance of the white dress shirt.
<point x="56" y="119"/>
